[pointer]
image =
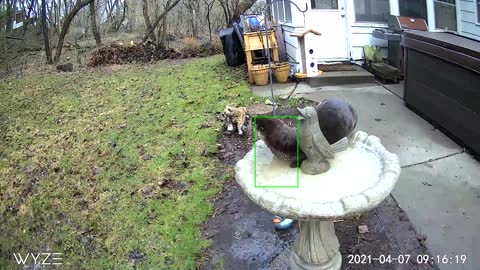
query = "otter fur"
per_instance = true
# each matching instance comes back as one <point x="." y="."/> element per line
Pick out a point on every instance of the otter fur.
<point x="280" y="138"/>
<point x="337" y="120"/>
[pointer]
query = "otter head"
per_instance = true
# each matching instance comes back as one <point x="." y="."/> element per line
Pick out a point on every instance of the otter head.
<point x="263" y="125"/>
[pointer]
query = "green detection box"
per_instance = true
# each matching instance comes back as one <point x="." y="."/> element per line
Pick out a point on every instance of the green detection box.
<point x="255" y="150"/>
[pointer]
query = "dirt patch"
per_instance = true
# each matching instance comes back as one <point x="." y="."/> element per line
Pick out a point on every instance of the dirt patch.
<point x="243" y="235"/>
<point x="143" y="53"/>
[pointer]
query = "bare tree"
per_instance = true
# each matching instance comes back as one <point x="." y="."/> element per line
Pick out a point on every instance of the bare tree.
<point x="93" y="20"/>
<point x="48" y="51"/>
<point x="162" y="34"/>
<point x="148" y="24"/>
<point x="118" y="23"/>
<point x="208" y="9"/>
<point x="27" y="12"/>
<point x="116" y="12"/>
<point x="79" y="4"/>
<point x="192" y="6"/>
<point x="57" y="18"/>
<point x="10" y="14"/>
<point x="158" y="19"/>
<point x="232" y="9"/>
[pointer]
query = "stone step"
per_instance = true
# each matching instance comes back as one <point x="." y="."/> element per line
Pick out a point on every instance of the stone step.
<point x="332" y="78"/>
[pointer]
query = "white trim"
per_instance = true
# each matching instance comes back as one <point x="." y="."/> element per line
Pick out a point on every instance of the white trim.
<point x="318" y="10"/>
<point x="445" y="3"/>
<point x="459" y="17"/>
<point x="431" y="15"/>
<point x="394" y="7"/>
<point x="370" y="24"/>
<point x="346" y="17"/>
<point x="339" y="59"/>
<point x="291" y="25"/>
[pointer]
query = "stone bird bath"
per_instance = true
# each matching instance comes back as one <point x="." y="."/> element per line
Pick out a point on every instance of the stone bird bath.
<point x="359" y="179"/>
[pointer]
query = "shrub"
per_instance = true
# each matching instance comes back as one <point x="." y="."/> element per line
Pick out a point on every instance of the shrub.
<point x="190" y="45"/>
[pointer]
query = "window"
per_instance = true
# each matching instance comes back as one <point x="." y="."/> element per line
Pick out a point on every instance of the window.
<point x="288" y="12"/>
<point x="282" y="11"/>
<point x="372" y="10"/>
<point x="19" y="17"/>
<point x="413" y="8"/>
<point x="478" y="11"/>
<point x="275" y="11"/>
<point x="446" y="15"/>
<point x="325" y="4"/>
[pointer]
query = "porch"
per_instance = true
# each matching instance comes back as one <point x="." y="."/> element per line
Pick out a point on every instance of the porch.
<point x="437" y="174"/>
<point x="346" y="26"/>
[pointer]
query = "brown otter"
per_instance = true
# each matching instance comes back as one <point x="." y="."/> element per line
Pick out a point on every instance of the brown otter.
<point x="280" y="138"/>
<point x="337" y="120"/>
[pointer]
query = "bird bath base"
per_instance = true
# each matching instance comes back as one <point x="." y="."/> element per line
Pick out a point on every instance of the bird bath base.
<point x="316" y="247"/>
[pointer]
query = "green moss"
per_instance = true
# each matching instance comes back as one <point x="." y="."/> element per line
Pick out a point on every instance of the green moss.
<point x="91" y="163"/>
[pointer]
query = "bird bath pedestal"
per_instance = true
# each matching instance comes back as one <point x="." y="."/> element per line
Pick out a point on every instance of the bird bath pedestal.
<point x="359" y="179"/>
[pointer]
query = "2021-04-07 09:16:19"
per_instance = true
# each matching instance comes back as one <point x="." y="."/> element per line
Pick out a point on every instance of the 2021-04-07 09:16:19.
<point x="406" y="258"/>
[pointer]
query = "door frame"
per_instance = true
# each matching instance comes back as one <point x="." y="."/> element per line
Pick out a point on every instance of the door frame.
<point x="346" y="30"/>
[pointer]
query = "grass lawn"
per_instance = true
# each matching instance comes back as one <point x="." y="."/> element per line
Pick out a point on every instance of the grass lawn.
<point x="109" y="166"/>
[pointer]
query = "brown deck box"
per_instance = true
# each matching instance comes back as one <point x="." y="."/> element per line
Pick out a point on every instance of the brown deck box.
<point x="442" y="82"/>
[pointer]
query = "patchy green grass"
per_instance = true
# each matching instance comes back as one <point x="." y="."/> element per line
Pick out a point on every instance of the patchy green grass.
<point x="108" y="166"/>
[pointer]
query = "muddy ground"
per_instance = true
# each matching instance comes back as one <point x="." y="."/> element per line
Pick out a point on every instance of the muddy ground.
<point x="243" y="235"/>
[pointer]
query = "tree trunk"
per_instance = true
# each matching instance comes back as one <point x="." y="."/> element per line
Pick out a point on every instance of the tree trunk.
<point x="48" y="51"/>
<point x="240" y="9"/>
<point x="11" y="7"/>
<point x="225" y="13"/>
<point x="194" y="20"/>
<point x="209" y="7"/>
<point x="93" y="19"/>
<point x="163" y="38"/>
<point x="52" y="19"/>
<point x="269" y="10"/>
<point x="27" y="15"/>
<point x="148" y="24"/>
<point x="123" y="16"/>
<point x="159" y="18"/>
<point x="76" y="8"/>
<point x="209" y="24"/>
<point x="131" y="15"/>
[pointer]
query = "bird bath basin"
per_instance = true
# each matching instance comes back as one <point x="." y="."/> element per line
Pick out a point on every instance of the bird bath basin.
<point x="359" y="179"/>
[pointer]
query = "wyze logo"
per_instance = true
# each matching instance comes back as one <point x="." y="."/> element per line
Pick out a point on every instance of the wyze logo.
<point x="44" y="258"/>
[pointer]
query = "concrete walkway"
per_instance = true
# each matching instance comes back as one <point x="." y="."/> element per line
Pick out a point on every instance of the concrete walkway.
<point x="439" y="187"/>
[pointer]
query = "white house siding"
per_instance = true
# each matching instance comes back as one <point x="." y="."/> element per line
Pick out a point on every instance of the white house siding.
<point x="467" y="21"/>
<point x="359" y="34"/>
<point x="291" y="44"/>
